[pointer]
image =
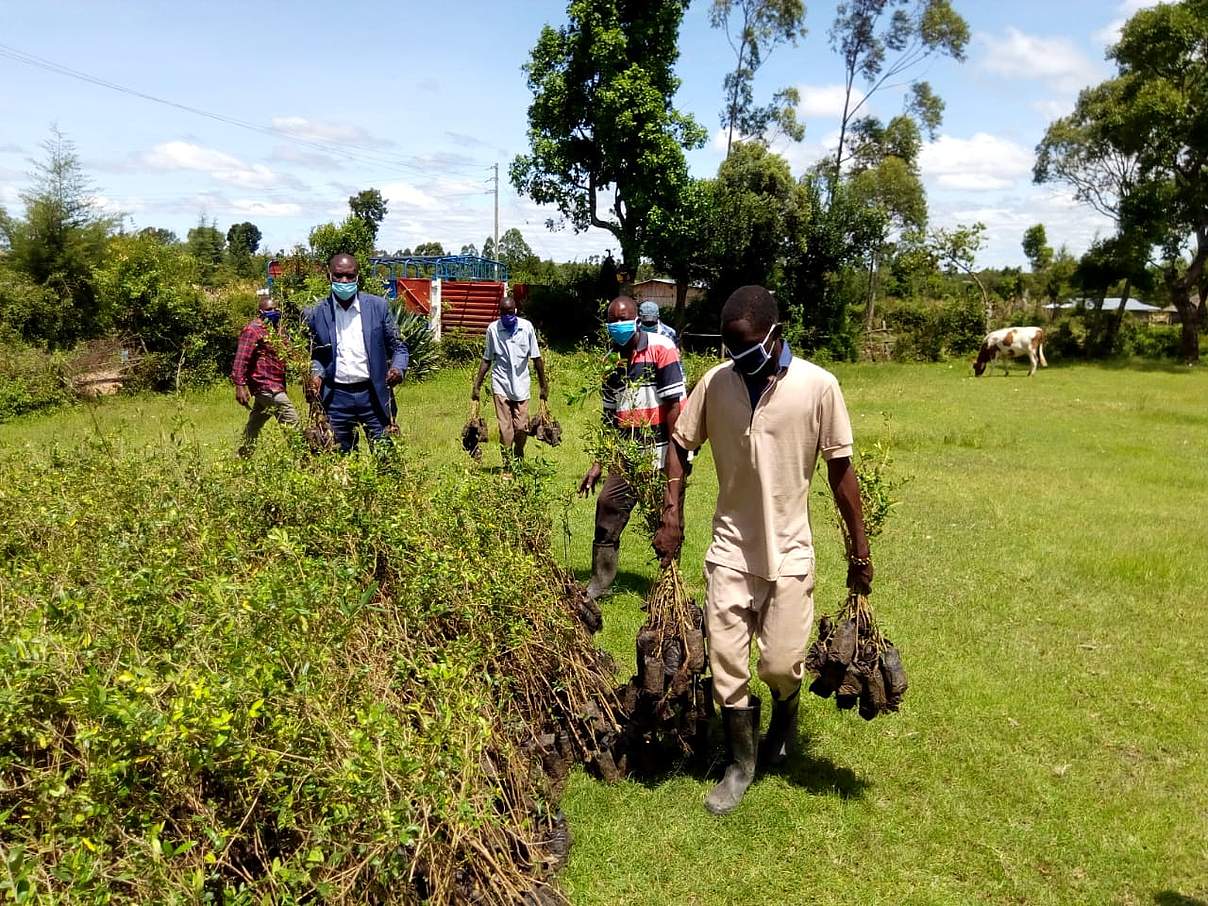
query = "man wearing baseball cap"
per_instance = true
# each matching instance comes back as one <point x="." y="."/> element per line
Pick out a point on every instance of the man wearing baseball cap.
<point x="648" y="320"/>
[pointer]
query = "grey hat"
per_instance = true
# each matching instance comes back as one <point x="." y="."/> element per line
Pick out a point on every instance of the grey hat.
<point x="648" y="312"/>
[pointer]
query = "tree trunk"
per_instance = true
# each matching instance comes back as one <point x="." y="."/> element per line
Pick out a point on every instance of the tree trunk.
<point x="1189" y="345"/>
<point x="1097" y="332"/>
<point x="1113" y="327"/>
<point x="681" y="302"/>
<point x="870" y="309"/>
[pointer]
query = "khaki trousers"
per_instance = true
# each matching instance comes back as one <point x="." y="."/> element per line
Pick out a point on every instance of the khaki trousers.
<point x="266" y="405"/>
<point x="513" y="423"/>
<point x="778" y="615"/>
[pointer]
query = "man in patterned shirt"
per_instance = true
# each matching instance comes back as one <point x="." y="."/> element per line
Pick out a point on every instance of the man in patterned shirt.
<point x="259" y="376"/>
<point x="642" y="401"/>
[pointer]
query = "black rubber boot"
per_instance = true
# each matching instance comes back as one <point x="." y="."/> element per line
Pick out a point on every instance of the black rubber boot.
<point x="782" y="730"/>
<point x="604" y="558"/>
<point x="742" y="731"/>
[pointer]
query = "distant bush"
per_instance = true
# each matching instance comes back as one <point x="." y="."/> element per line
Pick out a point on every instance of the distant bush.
<point x="1157" y="342"/>
<point x="932" y="332"/>
<point x="31" y="380"/>
<point x="458" y="347"/>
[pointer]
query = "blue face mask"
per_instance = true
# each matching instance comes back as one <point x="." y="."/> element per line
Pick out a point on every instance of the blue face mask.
<point x="650" y="328"/>
<point x="509" y="322"/>
<point x="621" y="332"/>
<point x="343" y="291"/>
<point x="272" y="316"/>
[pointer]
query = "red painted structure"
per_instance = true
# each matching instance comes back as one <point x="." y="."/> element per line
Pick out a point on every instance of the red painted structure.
<point x="469" y="306"/>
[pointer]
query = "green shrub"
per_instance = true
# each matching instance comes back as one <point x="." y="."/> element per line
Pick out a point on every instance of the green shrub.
<point x="287" y="680"/>
<point x="423" y="351"/>
<point x="459" y="347"/>
<point x="1157" y="342"/>
<point x="30" y="380"/>
<point x="932" y="332"/>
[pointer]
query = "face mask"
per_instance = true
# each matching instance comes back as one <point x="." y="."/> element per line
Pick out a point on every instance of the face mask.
<point x="509" y="322"/>
<point x="343" y="291"/>
<point x="621" y="332"/>
<point x="272" y="316"/>
<point x="753" y="361"/>
<point x="650" y="328"/>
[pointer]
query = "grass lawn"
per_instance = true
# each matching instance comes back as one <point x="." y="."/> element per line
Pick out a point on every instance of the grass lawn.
<point x="1045" y="577"/>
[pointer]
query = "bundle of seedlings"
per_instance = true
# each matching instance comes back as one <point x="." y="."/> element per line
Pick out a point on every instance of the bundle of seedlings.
<point x="287" y="679"/>
<point x="545" y="427"/>
<point x="851" y="659"/>
<point x="474" y="433"/>
<point x="855" y="663"/>
<point x="667" y="699"/>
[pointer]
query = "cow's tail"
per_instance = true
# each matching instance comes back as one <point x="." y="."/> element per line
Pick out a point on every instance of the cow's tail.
<point x="1040" y="348"/>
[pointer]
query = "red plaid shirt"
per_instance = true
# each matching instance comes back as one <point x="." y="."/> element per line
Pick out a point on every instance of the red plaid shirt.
<point x="255" y="362"/>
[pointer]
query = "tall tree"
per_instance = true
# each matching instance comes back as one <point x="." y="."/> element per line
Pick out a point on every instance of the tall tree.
<point x="957" y="248"/>
<point x="1143" y="135"/>
<point x="434" y="249"/>
<point x="880" y="41"/>
<point x="760" y="25"/>
<point x="469" y="249"/>
<point x="60" y="242"/>
<point x="885" y="178"/>
<point x="243" y="239"/>
<point x="602" y="121"/>
<point x="514" y="251"/>
<point x="681" y="240"/>
<point x="370" y="206"/>
<point x="1037" y="249"/>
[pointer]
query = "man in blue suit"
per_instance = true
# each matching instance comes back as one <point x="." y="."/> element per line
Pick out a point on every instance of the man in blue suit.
<point x="356" y="357"/>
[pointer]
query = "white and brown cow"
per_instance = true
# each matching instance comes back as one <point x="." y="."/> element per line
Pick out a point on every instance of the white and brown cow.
<point x="1009" y="342"/>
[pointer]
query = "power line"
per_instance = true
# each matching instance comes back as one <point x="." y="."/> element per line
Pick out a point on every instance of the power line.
<point x="347" y="150"/>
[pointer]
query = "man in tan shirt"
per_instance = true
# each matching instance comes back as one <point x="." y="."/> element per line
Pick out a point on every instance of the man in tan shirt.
<point x="768" y="416"/>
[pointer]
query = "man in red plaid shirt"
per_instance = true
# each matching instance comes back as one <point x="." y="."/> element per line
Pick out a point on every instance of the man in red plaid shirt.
<point x="259" y="376"/>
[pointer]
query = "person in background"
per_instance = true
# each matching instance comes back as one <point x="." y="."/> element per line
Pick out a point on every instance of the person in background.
<point x="650" y="321"/>
<point x="357" y="356"/>
<point x="768" y="417"/>
<point x="511" y="344"/>
<point x="641" y="401"/>
<point x="259" y="374"/>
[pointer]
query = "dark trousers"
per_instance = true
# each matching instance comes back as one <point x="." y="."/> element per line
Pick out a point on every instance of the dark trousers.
<point x="615" y="505"/>
<point x="613" y="508"/>
<point x="351" y="405"/>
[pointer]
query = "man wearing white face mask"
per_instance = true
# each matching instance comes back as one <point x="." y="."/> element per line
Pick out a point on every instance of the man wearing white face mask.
<point x="768" y="416"/>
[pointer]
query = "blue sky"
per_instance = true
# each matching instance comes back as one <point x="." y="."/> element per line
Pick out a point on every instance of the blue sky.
<point x="420" y="99"/>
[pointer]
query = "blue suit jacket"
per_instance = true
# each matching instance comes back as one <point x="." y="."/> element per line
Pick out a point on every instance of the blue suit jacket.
<point x="383" y="345"/>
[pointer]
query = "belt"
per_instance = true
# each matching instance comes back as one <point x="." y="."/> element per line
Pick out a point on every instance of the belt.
<point x="357" y="385"/>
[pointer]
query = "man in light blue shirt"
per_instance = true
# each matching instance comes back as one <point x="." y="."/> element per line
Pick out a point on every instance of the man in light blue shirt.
<point x="511" y="344"/>
<point x="649" y="321"/>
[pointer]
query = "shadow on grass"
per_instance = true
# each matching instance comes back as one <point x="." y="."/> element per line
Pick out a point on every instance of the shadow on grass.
<point x="805" y="769"/>
<point x="1164" y="366"/>
<point x="1174" y="898"/>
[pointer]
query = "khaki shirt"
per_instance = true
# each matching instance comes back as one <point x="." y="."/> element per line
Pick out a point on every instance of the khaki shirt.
<point x="765" y="460"/>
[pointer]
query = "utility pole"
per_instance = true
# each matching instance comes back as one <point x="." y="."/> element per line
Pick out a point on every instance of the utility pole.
<point x="496" y="252"/>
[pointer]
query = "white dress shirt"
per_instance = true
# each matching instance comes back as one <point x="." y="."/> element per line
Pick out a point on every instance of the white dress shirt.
<point x="352" y="361"/>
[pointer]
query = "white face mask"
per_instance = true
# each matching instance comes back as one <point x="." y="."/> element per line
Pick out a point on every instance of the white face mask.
<point x="753" y="366"/>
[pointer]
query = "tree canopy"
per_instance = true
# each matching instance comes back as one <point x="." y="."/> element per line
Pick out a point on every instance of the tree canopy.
<point x="602" y="120"/>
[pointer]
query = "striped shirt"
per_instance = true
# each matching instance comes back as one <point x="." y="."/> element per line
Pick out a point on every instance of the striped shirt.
<point x="637" y="394"/>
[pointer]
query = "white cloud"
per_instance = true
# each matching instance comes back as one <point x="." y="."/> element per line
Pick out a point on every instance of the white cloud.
<point x="266" y="208"/>
<point x="406" y="195"/>
<point x="1110" y="33"/>
<point x="1053" y="109"/>
<point x="824" y="101"/>
<point x="1057" y="61"/>
<point x="218" y="164"/>
<point x="320" y="131"/>
<point x="981" y="163"/>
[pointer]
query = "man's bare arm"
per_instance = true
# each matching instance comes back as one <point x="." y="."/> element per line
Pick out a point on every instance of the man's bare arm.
<point x="846" y="488"/>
